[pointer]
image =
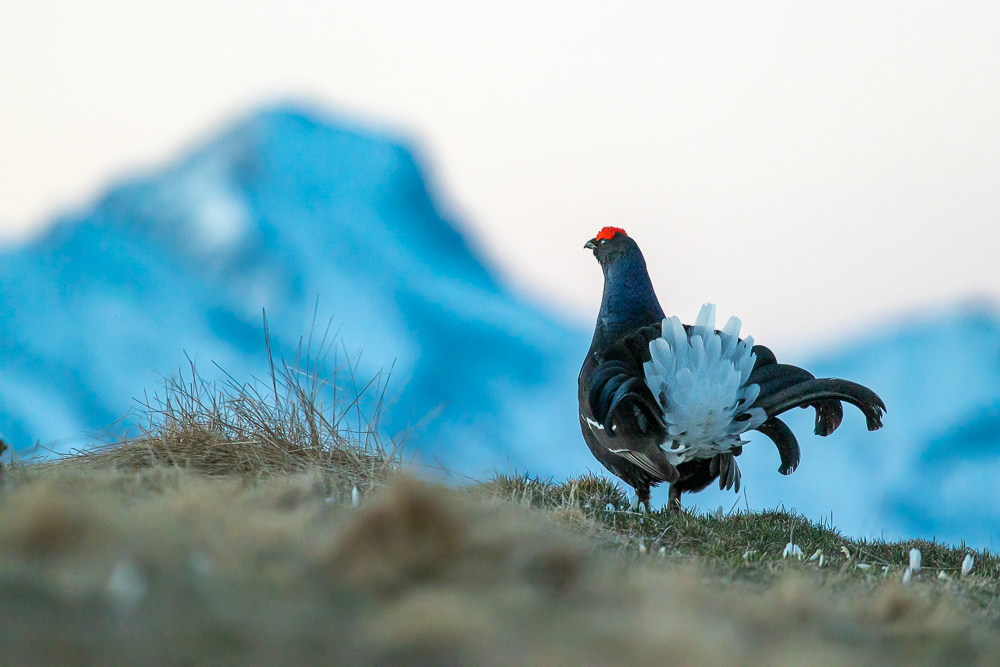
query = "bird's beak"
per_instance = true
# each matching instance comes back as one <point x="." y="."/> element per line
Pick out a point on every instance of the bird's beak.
<point x="590" y="245"/>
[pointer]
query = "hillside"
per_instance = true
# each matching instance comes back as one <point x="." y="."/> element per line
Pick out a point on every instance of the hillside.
<point x="247" y="530"/>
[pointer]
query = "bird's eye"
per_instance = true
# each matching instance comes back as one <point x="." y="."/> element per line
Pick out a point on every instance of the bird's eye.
<point x="603" y="241"/>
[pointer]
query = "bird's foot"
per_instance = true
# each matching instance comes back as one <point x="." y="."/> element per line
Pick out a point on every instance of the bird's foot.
<point x="642" y="501"/>
<point x="674" y="501"/>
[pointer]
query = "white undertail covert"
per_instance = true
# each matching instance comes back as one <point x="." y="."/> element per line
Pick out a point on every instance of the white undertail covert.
<point x="699" y="378"/>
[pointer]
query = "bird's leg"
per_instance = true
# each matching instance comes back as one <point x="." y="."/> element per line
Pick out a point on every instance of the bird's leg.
<point x="642" y="497"/>
<point x="674" y="501"/>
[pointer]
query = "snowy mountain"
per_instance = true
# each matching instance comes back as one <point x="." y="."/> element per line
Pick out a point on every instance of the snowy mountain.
<point x="288" y="209"/>
<point x="280" y="212"/>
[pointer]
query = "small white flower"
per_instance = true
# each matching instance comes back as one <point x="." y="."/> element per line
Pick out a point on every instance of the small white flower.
<point x="907" y="575"/>
<point x="821" y="559"/>
<point x="718" y="513"/>
<point x="792" y="550"/>
<point x="818" y="553"/>
<point x="748" y="555"/>
<point x="201" y="562"/>
<point x="862" y="566"/>
<point x="885" y="571"/>
<point x="663" y="551"/>
<point x="126" y="587"/>
<point x="967" y="564"/>
<point x="915" y="561"/>
<point x="942" y="575"/>
<point x="355" y="497"/>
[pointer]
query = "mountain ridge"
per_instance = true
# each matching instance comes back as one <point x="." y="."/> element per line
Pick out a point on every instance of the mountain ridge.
<point x="296" y="209"/>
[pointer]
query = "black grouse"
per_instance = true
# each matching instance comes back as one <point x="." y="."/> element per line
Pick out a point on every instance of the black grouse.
<point x="666" y="402"/>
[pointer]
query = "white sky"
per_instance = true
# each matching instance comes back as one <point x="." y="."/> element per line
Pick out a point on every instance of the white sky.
<point x="814" y="170"/>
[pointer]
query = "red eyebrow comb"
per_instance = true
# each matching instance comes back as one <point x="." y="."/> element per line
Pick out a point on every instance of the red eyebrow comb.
<point x="609" y="232"/>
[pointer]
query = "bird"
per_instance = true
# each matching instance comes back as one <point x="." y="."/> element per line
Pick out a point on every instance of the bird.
<point x="661" y="401"/>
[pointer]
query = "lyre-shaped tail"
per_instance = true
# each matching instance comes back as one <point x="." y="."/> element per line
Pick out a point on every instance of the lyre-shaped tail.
<point x="783" y="387"/>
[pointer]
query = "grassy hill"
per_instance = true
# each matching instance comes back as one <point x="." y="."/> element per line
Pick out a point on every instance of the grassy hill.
<point x="255" y="527"/>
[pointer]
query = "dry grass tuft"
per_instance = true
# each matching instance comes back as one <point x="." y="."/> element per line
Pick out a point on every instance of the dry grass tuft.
<point x="41" y="524"/>
<point x="304" y="419"/>
<point x="409" y="534"/>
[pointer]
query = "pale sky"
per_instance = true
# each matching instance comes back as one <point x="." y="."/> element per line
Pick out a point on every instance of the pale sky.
<point x="815" y="170"/>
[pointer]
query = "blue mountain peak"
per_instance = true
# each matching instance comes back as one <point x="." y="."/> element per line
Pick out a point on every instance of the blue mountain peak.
<point x="280" y="211"/>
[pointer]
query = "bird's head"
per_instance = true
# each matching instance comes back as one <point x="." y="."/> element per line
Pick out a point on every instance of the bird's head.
<point x="609" y="244"/>
<point x="629" y="301"/>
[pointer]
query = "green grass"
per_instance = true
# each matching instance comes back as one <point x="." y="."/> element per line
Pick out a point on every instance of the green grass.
<point x="749" y="546"/>
<point x="739" y="541"/>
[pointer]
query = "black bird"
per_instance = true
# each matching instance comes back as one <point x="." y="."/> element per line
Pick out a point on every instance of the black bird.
<point x="666" y="402"/>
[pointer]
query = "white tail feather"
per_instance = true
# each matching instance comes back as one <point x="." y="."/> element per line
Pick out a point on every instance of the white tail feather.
<point x="706" y="317"/>
<point x="700" y="380"/>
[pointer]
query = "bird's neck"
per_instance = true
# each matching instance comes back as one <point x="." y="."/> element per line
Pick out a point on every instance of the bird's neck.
<point x="629" y="301"/>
